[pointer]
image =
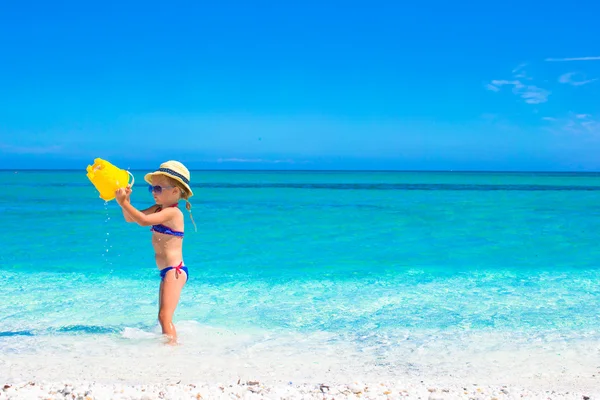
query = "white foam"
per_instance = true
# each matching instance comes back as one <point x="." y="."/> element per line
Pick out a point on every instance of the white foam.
<point x="214" y="354"/>
<point x="135" y="333"/>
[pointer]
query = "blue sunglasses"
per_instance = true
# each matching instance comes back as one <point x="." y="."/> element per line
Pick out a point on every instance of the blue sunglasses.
<point x="158" y="189"/>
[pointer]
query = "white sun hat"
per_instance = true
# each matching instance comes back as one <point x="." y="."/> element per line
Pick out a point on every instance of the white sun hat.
<point x="175" y="170"/>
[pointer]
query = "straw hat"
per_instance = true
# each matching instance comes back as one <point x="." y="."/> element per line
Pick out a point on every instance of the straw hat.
<point x="175" y="170"/>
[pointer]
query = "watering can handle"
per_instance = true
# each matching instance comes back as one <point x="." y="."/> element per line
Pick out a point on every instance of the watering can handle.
<point x="132" y="179"/>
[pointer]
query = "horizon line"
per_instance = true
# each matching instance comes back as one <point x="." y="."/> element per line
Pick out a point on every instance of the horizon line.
<point x="312" y="170"/>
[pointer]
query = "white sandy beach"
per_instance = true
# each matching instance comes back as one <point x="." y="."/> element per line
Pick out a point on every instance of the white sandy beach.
<point x="213" y="363"/>
<point x="85" y="390"/>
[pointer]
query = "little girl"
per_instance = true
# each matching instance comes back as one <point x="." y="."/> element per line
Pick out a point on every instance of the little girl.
<point x="168" y="184"/>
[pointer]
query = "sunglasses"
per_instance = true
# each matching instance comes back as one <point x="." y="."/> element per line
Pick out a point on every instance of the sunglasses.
<point x="158" y="189"/>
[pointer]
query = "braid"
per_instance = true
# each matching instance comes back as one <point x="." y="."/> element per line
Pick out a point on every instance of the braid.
<point x="184" y="195"/>
<point x="188" y="206"/>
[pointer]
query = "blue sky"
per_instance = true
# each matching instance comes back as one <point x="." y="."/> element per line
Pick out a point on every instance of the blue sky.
<point x="301" y="85"/>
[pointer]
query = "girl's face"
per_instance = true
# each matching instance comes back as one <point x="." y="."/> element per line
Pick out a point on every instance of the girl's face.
<point x="163" y="191"/>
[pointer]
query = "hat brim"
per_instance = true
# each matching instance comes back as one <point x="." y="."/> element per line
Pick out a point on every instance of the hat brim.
<point x="148" y="179"/>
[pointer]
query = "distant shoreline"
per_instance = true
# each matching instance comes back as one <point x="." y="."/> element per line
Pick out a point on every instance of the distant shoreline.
<point x="592" y="173"/>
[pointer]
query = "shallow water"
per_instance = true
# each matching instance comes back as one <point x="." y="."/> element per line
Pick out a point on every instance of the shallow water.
<point x="296" y="274"/>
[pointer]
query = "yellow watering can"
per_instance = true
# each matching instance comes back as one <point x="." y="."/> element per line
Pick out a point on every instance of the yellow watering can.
<point x="107" y="178"/>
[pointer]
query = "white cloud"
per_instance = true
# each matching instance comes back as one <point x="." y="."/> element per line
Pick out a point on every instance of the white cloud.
<point x="534" y="95"/>
<point x="574" y="59"/>
<point x="493" y="88"/>
<point x="573" y="123"/>
<point x="576" y="124"/>
<point x="529" y="93"/>
<point x="575" y="79"/>
<point x="497" y="82"/>
<point x="566" y="78"/>
<point x="519" y="71"/>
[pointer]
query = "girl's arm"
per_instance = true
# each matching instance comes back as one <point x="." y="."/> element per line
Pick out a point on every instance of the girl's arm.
<point x="140" y="217"/>
<point x="149" y="219"/>
<point x="149" y="210"/>
<point x="126" y="215"/>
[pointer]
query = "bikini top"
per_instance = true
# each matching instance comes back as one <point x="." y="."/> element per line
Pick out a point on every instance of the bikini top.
<point x="160" y="228"/>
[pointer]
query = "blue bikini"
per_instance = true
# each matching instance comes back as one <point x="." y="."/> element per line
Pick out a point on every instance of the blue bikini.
<point x="165" y="230"/>
<point x="160" y="228"/>
<point x="178" y="269"/>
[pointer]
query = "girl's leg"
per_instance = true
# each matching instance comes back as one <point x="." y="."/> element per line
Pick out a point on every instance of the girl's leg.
<point x="170" y="289"/>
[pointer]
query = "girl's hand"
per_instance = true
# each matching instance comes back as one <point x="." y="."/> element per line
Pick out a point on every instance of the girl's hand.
<point x="122" y="195"/>
<point x="128" y="191"/>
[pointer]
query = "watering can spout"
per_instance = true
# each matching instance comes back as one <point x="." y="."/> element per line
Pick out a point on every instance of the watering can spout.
<point x="107" y="178"/>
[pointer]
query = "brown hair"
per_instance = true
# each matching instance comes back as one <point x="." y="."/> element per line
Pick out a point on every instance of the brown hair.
<point x="184" y="194"/>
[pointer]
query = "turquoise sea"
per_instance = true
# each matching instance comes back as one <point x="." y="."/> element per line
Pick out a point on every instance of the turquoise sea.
<point x="408" y="273"/>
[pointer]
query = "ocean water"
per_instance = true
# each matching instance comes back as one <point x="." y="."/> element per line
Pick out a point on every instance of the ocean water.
<point x="309" y="275"/>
